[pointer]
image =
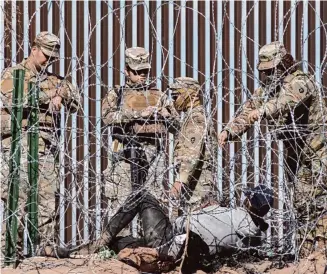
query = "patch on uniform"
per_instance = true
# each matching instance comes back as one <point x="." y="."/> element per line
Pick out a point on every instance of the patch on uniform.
<point x="192" y="139"/>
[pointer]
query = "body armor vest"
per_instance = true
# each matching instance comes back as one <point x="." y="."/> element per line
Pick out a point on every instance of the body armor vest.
<point x="138" y="100"/>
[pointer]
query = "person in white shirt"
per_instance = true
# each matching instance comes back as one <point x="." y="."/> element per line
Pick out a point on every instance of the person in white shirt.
<point x="212" y="230"/>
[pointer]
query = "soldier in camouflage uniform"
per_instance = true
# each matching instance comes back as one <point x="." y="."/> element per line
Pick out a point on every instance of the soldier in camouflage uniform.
<point x="193" y="151"/>
<point x="136" y="111"/>
<point x="291" y="103"/>
<point x="55" y="91"/>
<point x="139" y="115"/>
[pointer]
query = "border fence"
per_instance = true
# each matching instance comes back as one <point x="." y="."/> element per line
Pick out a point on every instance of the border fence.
<point x="216" y="42"/>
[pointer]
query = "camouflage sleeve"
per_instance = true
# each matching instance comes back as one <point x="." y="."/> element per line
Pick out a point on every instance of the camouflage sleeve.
<point x="71" y="97"/>
<point x="168" y="107"/>
<point x="5" y="124"/>
<point x="109" y="107"/>
<point x="7" y="74"/>
<point x="111" y="112"/>
<point x="49" y="88"/>
<point x="241" y="122"/>
<point x="56" y="85"/>
<point x="6" y="93"/>
<point x="7" y="87"/>
<point x="292" y="94"/>
<point x="189" y="149"/>
<point x="168" y="112"/>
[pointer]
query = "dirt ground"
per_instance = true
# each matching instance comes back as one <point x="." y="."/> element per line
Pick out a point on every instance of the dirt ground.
<point x="316" y="263"/>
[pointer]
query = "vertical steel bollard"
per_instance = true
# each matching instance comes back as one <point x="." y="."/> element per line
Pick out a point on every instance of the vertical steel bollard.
<point x="33" y="166"/>
<point x="14" y="166"/>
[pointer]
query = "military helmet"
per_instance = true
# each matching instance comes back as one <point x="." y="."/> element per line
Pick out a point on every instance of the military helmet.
<point x="185" y="92"/>
<point x="48" y="43"/>
<point x="271" y="55"/>
<point x="137" y="58"/>
<point x="185" y="82"/>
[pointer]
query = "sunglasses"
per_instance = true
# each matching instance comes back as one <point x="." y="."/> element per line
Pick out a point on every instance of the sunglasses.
<point x="140" y="72"/>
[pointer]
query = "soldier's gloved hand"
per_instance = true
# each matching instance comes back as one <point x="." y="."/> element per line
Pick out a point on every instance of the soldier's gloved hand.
<point x="222" y="138"/>
<point x="175" y="191"/>
<point x="254" y="115"/>
<point x="148" y="111"/>
<point x="57" y="91"/>
<point x="55" y="104"/>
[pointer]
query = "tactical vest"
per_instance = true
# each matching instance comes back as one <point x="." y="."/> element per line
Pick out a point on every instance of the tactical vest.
<point x="138" y="100"/>
<point x="47" y="121"/>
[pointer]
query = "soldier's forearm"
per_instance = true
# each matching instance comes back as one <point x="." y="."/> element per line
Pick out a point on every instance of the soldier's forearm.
<point x="183" y="177"/>
<point x="188" y="166"/>
<point x="275" y="107"/>
<point x="236" y="129"/>
<point x="111" y="118"/>
<point x="46" y="95"/>
<point x="241" y="122"/>
<point x="116" y="117"/>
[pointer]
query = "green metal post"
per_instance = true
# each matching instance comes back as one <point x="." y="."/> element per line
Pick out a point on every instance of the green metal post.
<point x="33" y="166"/>
<point x="14" y="166"/>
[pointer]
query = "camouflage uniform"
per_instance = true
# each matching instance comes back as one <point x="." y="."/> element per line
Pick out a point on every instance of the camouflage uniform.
<point x="125" y="108"/>
<point x="194" y="154"/>
<point x="49" y="123"/>
<point x="296" y="114"/>
<point x="135" y="128"/>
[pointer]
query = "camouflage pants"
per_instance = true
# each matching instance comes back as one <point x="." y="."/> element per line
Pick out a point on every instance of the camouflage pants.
<point x="194" y="158"/>
<point x="205" y="186"/>
<point x="310" y="201"/>
<point x="48" y="185"/>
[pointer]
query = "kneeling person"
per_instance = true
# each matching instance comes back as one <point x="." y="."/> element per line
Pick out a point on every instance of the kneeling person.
<point x="212" y="230"/>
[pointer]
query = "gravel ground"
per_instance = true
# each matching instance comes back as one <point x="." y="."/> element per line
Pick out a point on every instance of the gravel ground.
<point x="315" y="263"/>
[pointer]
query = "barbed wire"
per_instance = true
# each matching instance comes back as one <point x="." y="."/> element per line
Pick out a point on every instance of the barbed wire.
<point x="79" y="176"/>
